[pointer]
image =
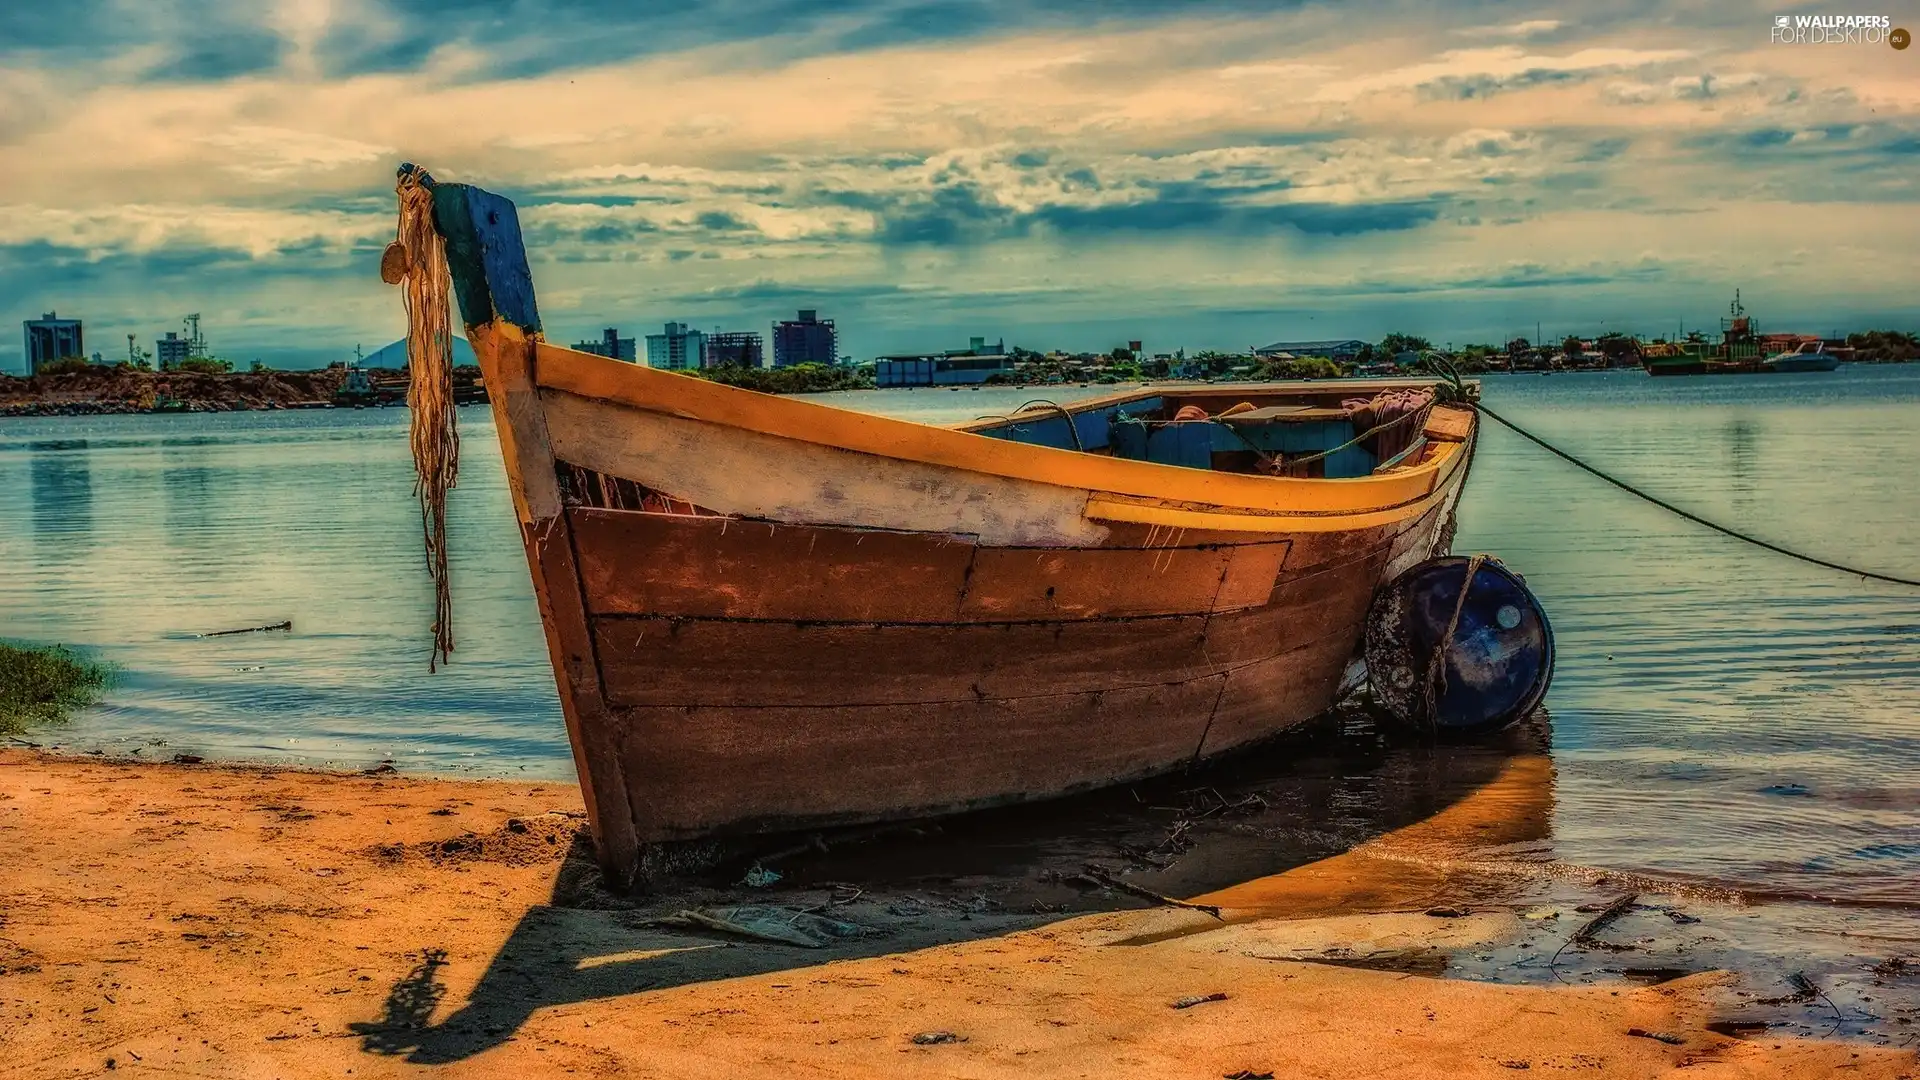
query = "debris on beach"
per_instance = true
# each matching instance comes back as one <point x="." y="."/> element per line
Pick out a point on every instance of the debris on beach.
<point x="1657" y="1036"/>
<point x="1099" y="876"/>
<point x="936" y="1038"/>
<point x="780" y="926"/>
<point x="1197" y="999"/>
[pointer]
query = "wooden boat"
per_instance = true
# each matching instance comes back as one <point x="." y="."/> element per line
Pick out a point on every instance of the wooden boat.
<point x="767" y="614"/>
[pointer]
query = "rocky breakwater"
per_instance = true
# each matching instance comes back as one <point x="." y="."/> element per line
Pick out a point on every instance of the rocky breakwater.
<point x="98" y="391"/>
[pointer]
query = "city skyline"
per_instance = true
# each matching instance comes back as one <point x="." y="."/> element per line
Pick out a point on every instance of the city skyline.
<point x="1199" y="174"/>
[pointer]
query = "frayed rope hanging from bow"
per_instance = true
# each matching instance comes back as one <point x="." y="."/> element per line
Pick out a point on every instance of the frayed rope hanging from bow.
<point x="417" y="262"/>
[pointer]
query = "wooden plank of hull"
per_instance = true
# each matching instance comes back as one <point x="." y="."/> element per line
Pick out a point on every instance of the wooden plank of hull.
<point x="700" y="771"/>
<point x="635" y="563"/>
<point x="659" y="661"/>
<point x="1268" y="696"/>
<point x="1025" y="583"/>
<point x="708" y="567"/>
<point x="666" y="661"/>
<point x="754" y="475"/>
<point x="698" y="661"/>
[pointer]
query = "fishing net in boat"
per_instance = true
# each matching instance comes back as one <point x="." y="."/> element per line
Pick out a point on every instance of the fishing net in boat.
<point x="417" y="262"/>
<point x="1391" y="420"/>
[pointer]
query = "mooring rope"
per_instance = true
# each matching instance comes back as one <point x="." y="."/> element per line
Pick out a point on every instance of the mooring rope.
<point x="1447" y="371"/>
<point x="1436" y="684"/>
<point x="417" y="261"/>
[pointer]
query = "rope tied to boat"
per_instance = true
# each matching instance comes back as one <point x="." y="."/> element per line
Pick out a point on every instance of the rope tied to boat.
<point x="1460" y="395"/>
<point x="417" y="262"/>
<point x="1436" y="680"/>
<point x="1073" y="428"/>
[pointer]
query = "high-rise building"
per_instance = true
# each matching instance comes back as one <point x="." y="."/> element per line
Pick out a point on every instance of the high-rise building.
<point x="51" y="338"/>
<point x="808" y="339"/>
<point x="735" y="349"/>
<point x="677" y="349"/>
<point x="610" y="345"/>
<point x="169" y="351"/>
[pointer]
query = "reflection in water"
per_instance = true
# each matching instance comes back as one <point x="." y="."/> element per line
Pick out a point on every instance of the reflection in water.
<point x="191" y="491"/>
<point x="1743" y="460"/>
<point x="62" y="487"/>
<point x="1233" y="830"/>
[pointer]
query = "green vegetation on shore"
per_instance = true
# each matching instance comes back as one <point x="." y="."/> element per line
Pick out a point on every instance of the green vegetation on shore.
<point x="1885" y="346"/>
<point x="41" y="684"/>
<point x="798" y="379"/>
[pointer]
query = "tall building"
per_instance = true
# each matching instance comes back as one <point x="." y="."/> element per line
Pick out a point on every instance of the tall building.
<point x="808" y="339"/>
<point x="736" y="349"/>
<point x="51" y="338"/>
<point x="610" y="345"/>
<point x="170" y="350"/>
<point x="677" y="349"/>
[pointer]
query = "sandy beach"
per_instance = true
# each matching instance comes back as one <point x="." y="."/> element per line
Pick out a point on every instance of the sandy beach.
<point x="194" y="920"/>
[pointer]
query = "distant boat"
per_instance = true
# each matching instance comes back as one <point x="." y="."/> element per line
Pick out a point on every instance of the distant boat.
<point x="767" y="613"/>
<point x="1738" y="352"/>
<point x="1810" y="356"/>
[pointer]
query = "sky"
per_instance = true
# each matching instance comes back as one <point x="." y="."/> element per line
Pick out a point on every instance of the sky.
<point x="1188" y="173"/>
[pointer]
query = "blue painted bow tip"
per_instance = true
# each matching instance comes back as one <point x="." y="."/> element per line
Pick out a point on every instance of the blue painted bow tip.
<point x="1457" y="654"/>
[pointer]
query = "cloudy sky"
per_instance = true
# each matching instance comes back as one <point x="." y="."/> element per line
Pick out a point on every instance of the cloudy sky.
<point x="1198" y="173"/>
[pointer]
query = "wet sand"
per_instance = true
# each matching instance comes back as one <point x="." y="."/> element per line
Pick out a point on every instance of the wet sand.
<point x="224" y="921"/>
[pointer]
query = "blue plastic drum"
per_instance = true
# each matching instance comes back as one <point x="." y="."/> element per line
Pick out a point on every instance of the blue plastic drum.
<point x="1494" y="648"/>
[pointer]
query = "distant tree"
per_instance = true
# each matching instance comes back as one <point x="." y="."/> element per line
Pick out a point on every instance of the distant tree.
<point x="1572" y="346"/>
<point x="205" y="365"/>
<point x="257" y="367"/>
<point x="798" y="379"/>
<point x="1303" y="367"/>
<point x="1519" y="345"/>
<point x="1617" y="347"/>
<point x="1885" y="346"/>
<point x="1395" y="343"/>
<point x="66" y="365"/>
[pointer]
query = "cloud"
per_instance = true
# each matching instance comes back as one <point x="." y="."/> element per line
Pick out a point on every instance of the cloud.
<point x="1477" y="72"/>
<point x="272" y="153"/>
<point x="1526" y="28"/>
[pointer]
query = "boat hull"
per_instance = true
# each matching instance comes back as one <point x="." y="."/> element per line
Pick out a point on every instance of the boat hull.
<point x="778" y="632"/>
<point x="765" y="677"/>
<point x="1786" y="365"/>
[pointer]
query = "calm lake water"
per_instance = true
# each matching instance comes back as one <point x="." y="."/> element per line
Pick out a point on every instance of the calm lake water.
<point x="1720" y="714"/>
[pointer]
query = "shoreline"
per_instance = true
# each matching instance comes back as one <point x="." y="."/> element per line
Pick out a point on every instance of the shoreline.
<point x="238" y="920"/>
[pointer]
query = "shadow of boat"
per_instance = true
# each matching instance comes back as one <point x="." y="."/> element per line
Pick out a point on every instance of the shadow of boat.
<point x="1271" y="833"/>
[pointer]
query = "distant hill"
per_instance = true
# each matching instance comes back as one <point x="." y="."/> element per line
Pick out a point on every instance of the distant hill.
<point x="395" y="355"/>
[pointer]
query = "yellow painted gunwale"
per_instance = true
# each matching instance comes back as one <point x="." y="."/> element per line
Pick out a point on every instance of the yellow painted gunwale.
<point x="698" y="399"/>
